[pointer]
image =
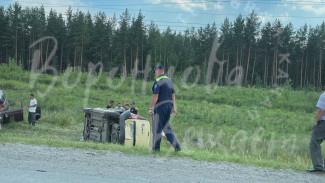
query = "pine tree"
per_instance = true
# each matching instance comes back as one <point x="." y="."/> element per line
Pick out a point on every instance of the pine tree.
<point x="251" y="30"/>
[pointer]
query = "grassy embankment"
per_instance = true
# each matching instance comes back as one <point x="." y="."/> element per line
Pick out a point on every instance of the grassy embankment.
<point x="263" y="127"/>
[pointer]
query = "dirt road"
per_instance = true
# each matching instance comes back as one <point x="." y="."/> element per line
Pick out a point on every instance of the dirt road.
<point x="27" y="163"/>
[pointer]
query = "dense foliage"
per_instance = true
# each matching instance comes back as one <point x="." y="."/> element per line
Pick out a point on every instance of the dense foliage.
<point x="268" y="54"/>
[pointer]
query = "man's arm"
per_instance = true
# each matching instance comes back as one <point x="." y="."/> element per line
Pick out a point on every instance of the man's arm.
<point x="319" y="115"/>
<point x="153" y="103"/>
<point x="154" y="100"/>
<point x="174" y="105"/>
<point x="32" y="105"/>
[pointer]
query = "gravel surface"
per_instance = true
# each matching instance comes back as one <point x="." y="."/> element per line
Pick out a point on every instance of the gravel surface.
<point x="28" y="163"/>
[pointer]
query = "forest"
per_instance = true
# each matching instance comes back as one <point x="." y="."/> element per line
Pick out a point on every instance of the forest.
<point x="268" y="54"/>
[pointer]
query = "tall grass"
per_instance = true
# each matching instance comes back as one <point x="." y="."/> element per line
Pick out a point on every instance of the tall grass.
<point x="251" y="125"/>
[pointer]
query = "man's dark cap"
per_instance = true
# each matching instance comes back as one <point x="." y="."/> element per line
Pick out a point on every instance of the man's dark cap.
<point x="132" y="103"/>
<point x="158" y="66"/>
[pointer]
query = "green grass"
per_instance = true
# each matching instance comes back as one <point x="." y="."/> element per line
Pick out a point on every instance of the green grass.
<point x="257" y="126"/>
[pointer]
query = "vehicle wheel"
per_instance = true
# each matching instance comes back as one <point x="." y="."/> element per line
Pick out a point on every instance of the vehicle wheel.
<point x="5" y="120"/>
<point x="115" y="134"/>
<point x="19" y="117"/>
<point x="112" y="114"/>
<point x="86" y="128"/>
<point x="122" y="130"/>
<point x="87" y="110"/>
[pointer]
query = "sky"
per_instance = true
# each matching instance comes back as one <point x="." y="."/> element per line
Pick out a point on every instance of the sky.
<point x="183" y="14"/>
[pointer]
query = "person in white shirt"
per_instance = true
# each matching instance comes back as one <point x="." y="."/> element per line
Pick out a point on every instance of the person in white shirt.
<point x="119" y="108"/>
<point x="32" y="110"/>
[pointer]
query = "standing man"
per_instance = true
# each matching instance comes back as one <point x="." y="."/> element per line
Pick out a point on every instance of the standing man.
<point x="162" y="104"/>
<point x="133" y="109"/>
<point x="119" y="108"/>
<point x="127" y="106"/>
<point x="32" y="110"/>
<point x="318" y="135"/>
<point x="111" y="105"/>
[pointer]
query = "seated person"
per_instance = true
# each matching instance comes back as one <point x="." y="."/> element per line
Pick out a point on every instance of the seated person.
<point x="119" y="108"/>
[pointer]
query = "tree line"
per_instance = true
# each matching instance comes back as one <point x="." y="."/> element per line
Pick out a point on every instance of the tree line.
<point x="268" y="54"/>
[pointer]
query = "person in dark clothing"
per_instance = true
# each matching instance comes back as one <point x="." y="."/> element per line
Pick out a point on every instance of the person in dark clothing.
<point x="318" y="136"/>
<point x="38" y="113"/>
<point x="111" y="104"/>
<point x="133" y="109"/>
<point x="162" y="105"/>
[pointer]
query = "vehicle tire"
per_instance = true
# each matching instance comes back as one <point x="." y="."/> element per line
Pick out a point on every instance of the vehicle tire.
<point x="86" y="128"/>
<point x="86" y="110"/>
<point x="115" y="134"/>
<point x="19" y="117"/>
<point x="122" y="132"/>
<point x="112" y="114"/>
<point x="6" y="119"/>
